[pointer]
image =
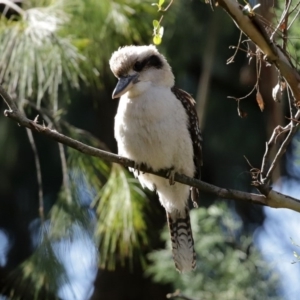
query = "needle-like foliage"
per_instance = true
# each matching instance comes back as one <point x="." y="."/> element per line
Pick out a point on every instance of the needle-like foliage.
<point x="122" y="224"/>
<point x="228" y="265"/>
<point x="47" y="48"/>
<point x="103" y="26"/>
<point x="35" y="59"/>
<point x="39" y="277"/>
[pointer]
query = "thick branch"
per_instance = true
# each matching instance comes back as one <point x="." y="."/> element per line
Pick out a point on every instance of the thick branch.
<point x="274" y="199"/>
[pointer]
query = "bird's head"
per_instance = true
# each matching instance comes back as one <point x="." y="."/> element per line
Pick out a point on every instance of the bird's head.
<point x="138" y="68"/>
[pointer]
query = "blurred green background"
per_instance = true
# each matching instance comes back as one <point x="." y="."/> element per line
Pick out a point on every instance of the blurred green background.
<point x="100" y="236"/>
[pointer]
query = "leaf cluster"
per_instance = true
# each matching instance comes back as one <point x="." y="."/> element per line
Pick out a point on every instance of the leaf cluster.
<point x="121" y="227"/>
<point x="228" y="265"/>
<point x="48" y="49"/>
<point x="36" y="60"/>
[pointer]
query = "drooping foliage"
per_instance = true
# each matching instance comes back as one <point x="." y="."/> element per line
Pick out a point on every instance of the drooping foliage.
<point x="228" y="264"/>
<point x="51" y="51"/>
<point x="48" y="50"/>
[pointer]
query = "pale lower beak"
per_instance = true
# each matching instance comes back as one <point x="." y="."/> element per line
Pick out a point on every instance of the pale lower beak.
<point x="124" y="84"/>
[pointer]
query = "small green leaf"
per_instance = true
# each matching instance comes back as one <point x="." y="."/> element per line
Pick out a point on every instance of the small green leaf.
<point x="156" y="39"/>
<point x="155" y="24"/>
<point x="161" y="2"/>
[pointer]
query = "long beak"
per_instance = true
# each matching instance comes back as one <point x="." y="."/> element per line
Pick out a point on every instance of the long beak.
<point x="124" y="84"/>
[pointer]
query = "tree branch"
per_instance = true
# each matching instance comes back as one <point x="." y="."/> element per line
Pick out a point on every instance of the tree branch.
<point x="38" y="173"/>
<point x="283" y="19"/>
<point x="274" y="199"/>
<point x="251" y="26"/>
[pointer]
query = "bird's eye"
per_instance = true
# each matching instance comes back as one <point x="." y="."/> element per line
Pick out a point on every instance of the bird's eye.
<point x="138" y="66"/>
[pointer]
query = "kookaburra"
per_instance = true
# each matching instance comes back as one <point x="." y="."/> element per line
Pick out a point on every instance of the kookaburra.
<point x="157" y="125"/>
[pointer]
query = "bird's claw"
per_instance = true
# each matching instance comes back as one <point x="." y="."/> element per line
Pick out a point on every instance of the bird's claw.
<point x="194" y="196"/>
<point x="171" y="175"/>
<point x="136" y="169"/>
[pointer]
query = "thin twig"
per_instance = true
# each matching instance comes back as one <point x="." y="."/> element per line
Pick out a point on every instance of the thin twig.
<point x="256" y="86"/>
<point x="294" y="8"/>
<point x="291" y="119"/>
<point x="161" y="18"/>
<point x="248" y="162"/>
<point x="292" y="128"/>
<point x="38" y="171"/>
<point x="64" y="167"/>
<point x="231" y="59"/>
<point x="244" y="97"/>
<point x="264" y="162"/>
<point x="283" y="17"/>
<point x="65" y="173"/>
<point x="281" y="150"/>
<point x="290" y="104"/>
<point x="253" y="171"/>
<point x="165" y="9"/>
<point x="47" y="115"/>
<point x="276" y="132"/>
<point x="258" y="69"/>
<point x="42" y="112"/>
<point x="285" y="25"/>
<point x="295" y="17"/>
<point x="13" y="6"/>
<point x="249" y="52"/>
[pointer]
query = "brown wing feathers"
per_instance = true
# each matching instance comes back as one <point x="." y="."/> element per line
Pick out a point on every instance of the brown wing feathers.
<point x="189" y="104"/>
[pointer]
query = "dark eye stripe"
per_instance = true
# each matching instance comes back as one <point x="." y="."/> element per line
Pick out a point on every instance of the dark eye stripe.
<point x="151" y="61"/>
<point x="139" y="66"/>
<point x="154" y="61"/>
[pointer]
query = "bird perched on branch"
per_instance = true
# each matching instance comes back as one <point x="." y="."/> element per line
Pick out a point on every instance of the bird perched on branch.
<point x="157" y="125"/>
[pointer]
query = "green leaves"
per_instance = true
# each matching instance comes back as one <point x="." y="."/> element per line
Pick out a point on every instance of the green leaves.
<point x="121" y="227"/>
<point x="159" y="4"/>
<point x="158" y="32"/>
<point x="44" y="271"/>
<point x="228" y="266"/>
<point x="40" y="276"/>
<point x="53" y="46"/>
<point x="155" y="24"/>
<point x="35" y="61"/>
<point x="101" y="27"/>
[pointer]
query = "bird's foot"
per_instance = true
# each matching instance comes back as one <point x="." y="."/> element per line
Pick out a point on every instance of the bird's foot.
<point x="171" y="176"/>
<point x="194" y="196"/>
<point x="136" y="169"/>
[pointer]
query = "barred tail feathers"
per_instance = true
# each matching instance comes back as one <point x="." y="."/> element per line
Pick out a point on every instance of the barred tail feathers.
<point x="184" y="255"/>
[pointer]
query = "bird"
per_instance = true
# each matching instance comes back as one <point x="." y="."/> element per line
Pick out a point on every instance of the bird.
<point x="156" y="124"/>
